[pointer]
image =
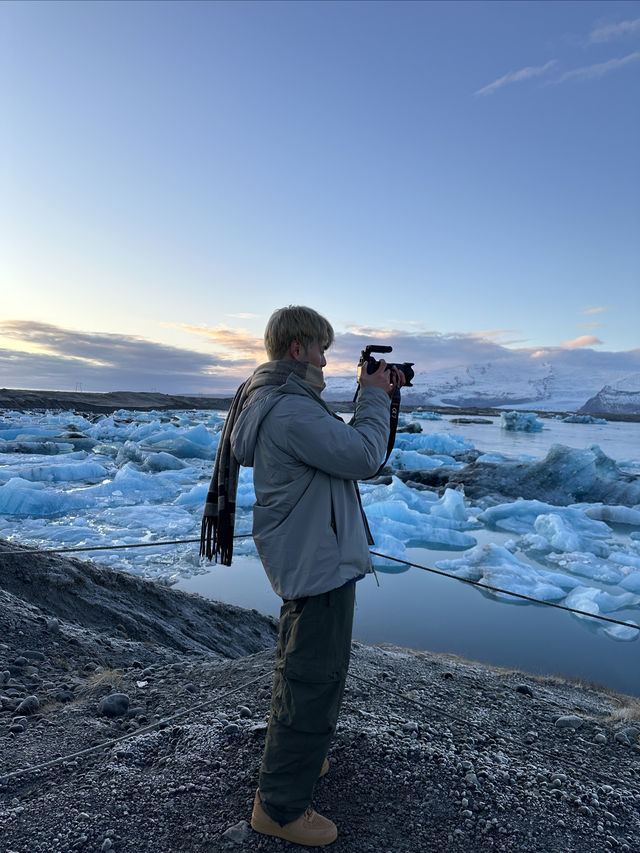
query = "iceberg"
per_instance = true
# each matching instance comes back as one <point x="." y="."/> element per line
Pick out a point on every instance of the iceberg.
<point x="520" y="421"/>
<point x="496" y="566"/>
<point x="565" y="476"/>
<point x="520" y="517"/>
<point x="394" y="519"/>
<point x="434" y="442"/>
<point x="397" y="490"/>
<point x="414" y="460"/>
<point x="426" y="416"/>
<point x="569" y="534"/>
<point x="582" y="419"/>
<point x="614" y="514"/>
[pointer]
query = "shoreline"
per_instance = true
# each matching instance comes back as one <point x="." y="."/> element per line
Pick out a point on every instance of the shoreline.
<point x="107" y="402"/>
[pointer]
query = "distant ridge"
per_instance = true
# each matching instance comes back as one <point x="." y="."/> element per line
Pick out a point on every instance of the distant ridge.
<point x="109" y="401"/>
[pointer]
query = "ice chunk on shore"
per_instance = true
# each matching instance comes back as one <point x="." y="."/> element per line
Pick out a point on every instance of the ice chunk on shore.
<point x="520" y="421"/>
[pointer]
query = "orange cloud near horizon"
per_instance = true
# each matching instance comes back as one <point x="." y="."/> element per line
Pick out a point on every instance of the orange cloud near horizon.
<point x="582" y="341"/>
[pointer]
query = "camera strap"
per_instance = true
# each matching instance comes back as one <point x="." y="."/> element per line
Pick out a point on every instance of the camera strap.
<point x="394" y="414"/>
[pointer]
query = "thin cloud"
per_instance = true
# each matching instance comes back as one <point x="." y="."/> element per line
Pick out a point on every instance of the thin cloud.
<point x="608" y="32"/>
<point x="243" y="316"/>
<point x="516" y="77"/>
<point x="599" y="310"/>
<point x="582" y="341"/>
<point x="234" y="342"/>
<point x="595" y="72"/>
<point x="587" y="326"/>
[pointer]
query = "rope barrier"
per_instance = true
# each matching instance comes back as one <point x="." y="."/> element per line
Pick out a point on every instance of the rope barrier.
<point x="478" y="584"/>
<point x="508" y="592"/>
<point x="103" y="745"/>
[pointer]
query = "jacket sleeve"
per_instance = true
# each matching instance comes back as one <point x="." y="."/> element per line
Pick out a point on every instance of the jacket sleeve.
<point x="350" y="451"/>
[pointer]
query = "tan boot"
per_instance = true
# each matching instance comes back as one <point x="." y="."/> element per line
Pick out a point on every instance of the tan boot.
<point x="324" y="769"/>
<point x="310" y="828"/>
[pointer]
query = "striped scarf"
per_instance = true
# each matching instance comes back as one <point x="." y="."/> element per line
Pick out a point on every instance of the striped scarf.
<point x="218" y="518"/>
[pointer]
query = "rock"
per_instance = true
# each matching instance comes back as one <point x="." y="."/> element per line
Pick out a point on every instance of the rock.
<point x="524" y="689"/>
<point x="231" y="729"/>
<point x="410" y="726"/>
<point x="569" y="721"/>
<point x="245" y="712"/>
<point x="63" y="695"/>
<point x="238" y="833"/>
<point x="30" y="705"/>
<point x="600" y="738"/>
<point x="114" y="705"/>
<point x="20" y="661"/>
<point x="627" y="736"/>
<point x="38" y="656"/>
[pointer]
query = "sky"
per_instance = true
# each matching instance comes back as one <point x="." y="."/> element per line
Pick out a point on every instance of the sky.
<point x="459" y="179"/>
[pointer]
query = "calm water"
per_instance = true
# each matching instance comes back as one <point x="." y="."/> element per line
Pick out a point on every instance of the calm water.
<point x="420" y="610"/>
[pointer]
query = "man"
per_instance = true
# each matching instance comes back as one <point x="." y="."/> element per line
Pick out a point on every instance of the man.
<point x="313" y="540"/>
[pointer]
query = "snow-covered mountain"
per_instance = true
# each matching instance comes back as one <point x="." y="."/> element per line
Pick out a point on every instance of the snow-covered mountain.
<point x="621" y="398"/>
<point x="550" y="385"/>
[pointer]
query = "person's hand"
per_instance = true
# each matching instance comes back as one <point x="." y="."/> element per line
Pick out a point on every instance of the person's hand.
<point x="388" y="380"/>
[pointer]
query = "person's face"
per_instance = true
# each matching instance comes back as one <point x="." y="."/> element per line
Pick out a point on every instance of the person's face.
<point x="314" y="354"/>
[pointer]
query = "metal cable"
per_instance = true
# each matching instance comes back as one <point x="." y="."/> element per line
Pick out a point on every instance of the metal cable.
<point x="375" y="553"/>
<point x="508" y="592"/>
<point x="108" y="743"/>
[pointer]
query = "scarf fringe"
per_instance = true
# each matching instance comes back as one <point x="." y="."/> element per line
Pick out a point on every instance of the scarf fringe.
<point x="216" y="539"/>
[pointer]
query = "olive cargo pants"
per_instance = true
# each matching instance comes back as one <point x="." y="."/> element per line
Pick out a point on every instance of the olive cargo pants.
<point x="312" y="658"/>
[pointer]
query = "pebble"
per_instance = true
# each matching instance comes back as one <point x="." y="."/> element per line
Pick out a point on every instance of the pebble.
<point x="245" y="712"/>
<point x="524" y="689"/>
<point x="231" y="729"/>
<point x="238" y="833"/>
<point x="600" y="738"/>
<point x="569" y="721"/>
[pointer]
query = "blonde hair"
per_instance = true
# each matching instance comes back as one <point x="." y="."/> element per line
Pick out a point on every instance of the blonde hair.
<point x="295" y="323"/>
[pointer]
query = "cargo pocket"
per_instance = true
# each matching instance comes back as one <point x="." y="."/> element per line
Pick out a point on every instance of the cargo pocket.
<point x="313" y="661"/>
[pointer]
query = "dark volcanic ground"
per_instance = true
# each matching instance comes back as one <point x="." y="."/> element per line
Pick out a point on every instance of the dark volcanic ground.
<point x="149" y="706"/>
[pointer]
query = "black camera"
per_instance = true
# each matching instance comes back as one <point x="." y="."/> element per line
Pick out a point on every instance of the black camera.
<point x="373" y="364"/>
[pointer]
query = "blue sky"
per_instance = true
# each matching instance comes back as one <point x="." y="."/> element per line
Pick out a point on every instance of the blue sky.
<point x="454" y="173"/>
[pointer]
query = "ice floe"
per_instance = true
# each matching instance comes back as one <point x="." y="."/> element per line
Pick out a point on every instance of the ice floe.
<point x="131" y="477"/>
<point x="520" y="421"/>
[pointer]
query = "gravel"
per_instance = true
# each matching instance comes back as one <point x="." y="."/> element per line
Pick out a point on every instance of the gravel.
<point x="431" y="752"/>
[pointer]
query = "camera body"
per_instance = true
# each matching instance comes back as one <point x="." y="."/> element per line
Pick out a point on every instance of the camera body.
<point x="373" y="364"/>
